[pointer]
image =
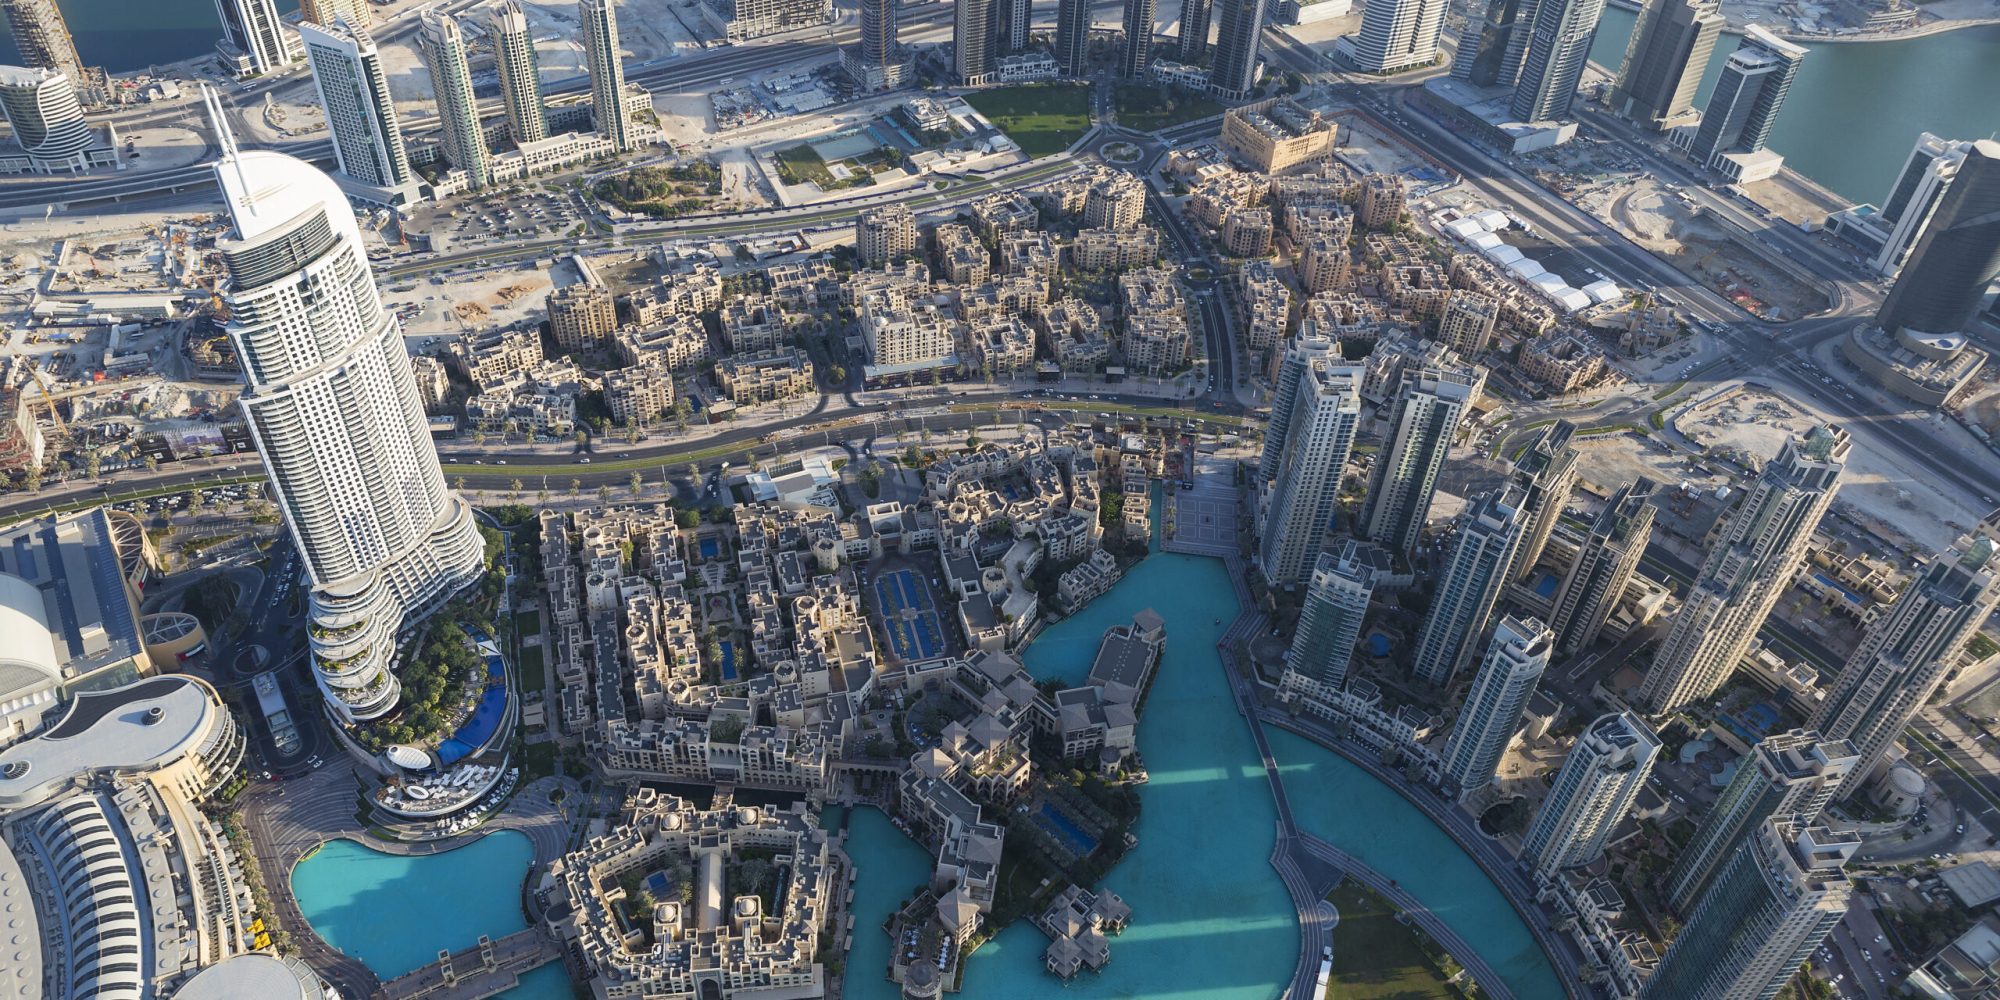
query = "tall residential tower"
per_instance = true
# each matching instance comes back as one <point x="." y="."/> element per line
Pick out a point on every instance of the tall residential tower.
<point x="1604" y="564"/>
<point x="1745" y="103"/>
<point x="1546" y="474"/>
<point x="1664" y="61"/>
<point x="442" y="43"/>
<point x="1307" y="453"/>
<point x="360" y="114"/>
<point x="1596" y="787"/>
<point x="1395" y="35"/>
<point x="254" y="36"/>
<point x="1429" y="404"/>
<point x="520" y="72"/>
<point x="1234" y="73"/>
<point x="1515" y="660"/>
<point x="1476" y="571"/>
<point x="1558" y="47"/>
<point x="1958" y="255"/>
<point x="607" y="70"/>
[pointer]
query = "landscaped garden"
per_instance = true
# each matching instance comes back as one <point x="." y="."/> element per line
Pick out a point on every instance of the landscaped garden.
<point x="1377" y="957"/>
<point x="1149" y="109"/>
<point x="1042" y="119"/>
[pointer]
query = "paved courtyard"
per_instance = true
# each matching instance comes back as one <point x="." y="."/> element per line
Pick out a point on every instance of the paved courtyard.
<point x="1204" y="518"/>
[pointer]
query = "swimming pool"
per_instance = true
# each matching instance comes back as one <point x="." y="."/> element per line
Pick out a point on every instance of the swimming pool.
<point x="710" y="548"/>
<point x="728" y="660"/>
<point x="486" y="717"/>
<point x="1066" y="830"/>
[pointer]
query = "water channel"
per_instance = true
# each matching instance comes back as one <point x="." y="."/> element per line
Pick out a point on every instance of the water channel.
<point x="1857" y="107"/>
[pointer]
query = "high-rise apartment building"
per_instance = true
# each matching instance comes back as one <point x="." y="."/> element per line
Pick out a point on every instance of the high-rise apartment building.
<point x="1309" y="456"/>
<point x="1474" y="574"/>
<point x="1466" y="325"/>
<point x="1138" y="54"/>
<point x="1011" y="20"/>
<point x="1234" y="73"/>
<point x="1291" y="372"/>
<point x="254" y="35"/>
<point x="335" y="413"/>
<point x="1330" y="621"/>
<point x="48" y="122"/>
<point x="1909" y="648"/>
<point x="360" y="114"/>
<point x="1958" y="254"/>
<point x="325" y="12"/>
<point x="601" y="57"/>
<point x="1483" y="47"/>
<point x="442" y="43"/>
<point x="885" y="233"/>
<point x="1664" y="60"/>
<point x="1787" y="777"/>
<point x="1429" y="404"/>
<point x="1605" y="561"/>
<point x="1746" y="100"/>
<point x="1596" y="787"/>
<point x="1395" y="35"/>
<point x="975" y="44"/>
<point x="42" y="38"/>
<point x="582" y="315"/>
<point x="1558" y="47"/>
<point x="877" y="61"/>
<point x="520" y="72"/>
<point x="1546" y="474"/>
<point x="1073" y="37"/>
<point x="1193" y="40"/>
<point x="1770" y="907"/>
<point x="1758" y="549"/>
<point x="1515" y="660"/>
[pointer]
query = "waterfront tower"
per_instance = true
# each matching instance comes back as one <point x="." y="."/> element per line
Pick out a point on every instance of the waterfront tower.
<point x="1745" y="103"/>
<point x="360" y="114"/>
<point x="253" y="35"/>
<point x="47" y="119"/>
<point x="1491" y="715"/>
<point x="1605" y="561"/>
<point x="1596" y="787"/>
<point x="334" y="411"/>
<point x="1474" y="574"/>
<point x="520" y="72"/>
<point x="442" y="43"/>
<point x="1914" y="195"/>
<point x="1787" y="777"/>
<point x="1429" y="404"/>
<point x="1908" y="649"/>
<point x="1330" y="621"/>
<point x="601" y="57"/>
<point x="1479" y="56"/>
<point x="1770" y="907"/>
<point x="1958" y="255"/>
<point x="1759" y="547"/>
<point x="42" y="38"/>
<point x="1395" y="35"/>
<point x="1234" y="73"/>
<point x="1664" y="60"/>
<point x="1309" y="458"/>
<point x="1559" y="39"/>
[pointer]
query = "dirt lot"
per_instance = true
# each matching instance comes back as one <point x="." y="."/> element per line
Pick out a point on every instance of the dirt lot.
<point x="1660" y="219"/>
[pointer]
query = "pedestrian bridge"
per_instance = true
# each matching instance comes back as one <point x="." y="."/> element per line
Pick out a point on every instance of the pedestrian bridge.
<point x="476" y="973"/>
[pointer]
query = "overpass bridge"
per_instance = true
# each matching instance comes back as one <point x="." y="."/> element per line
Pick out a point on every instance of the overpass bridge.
<point x="478" y="972"/>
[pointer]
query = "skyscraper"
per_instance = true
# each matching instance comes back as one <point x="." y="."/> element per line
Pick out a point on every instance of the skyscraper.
<point x="1073" y="36"/>
<point x="607" y="70"/>
<point x="1594" y="790"/>
<point x="1011" y="19"/>
<point x="1474" y="574"/>
<point x="1308" y="456"/>
<point x="520" y="73"/>
<point x="1138" y="53"/>
<point x="325" y="12"/>
<point x="1546" y="474"/>
<point x="1491" y="714"/>
<point x="42" y="38"/>
<point x="1235" y="71"/>
<point x="443" y="48"/>
<point x="1603" y="567"/>
<point x="1759" y="547"/>
<point x="975" y="49"/>
<point x="1746" y="100"/>
<point x="47" y="120"/>
<point x="1330" y="621"/>
<point x="1664" y="61"/>
<point x="1193" y="39"/>
<point x="1429" y="403"/>
<point x="1958" y="254"/>
<point x="877" y="61"/>
<point x="1771" y="905"/>
<point x="336" y="417"/>
<point x="253" y="29"/>
<point x="1395" y="35"/>
<point x="360" y="114"/>
<point x="1907" y="650"/>
<point x="1558" y="47"/>
<point x="1483" y="47"/>
<point x="1787" y="777"/>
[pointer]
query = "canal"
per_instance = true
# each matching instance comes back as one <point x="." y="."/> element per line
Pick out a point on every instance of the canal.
<point x="1857" y="107"/>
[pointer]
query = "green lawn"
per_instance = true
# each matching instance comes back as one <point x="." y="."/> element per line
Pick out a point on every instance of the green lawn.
<point x="800" y="165"/>
<point x="1376" y="958"/>
<point x="533" y="677"/>
<point x="1043" y="120"/>
<point x="1150" y="109"/>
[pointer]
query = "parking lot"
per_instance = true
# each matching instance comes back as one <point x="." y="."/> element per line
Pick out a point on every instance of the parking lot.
<point x="496" y="218"/>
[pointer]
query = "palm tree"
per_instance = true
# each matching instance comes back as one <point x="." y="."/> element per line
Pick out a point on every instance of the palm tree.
<point x="604" y="493"/>
<point x="152" y="463"/>
<point x="542" y="498"/>
<point x="516" y="486"/>
<point x="576" y="487"/>
<point x="637" y="482"/>
<point x="458" y="484"/>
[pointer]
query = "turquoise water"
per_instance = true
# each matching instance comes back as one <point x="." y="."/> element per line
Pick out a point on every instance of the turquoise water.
<point x="1856" y="108"/>
<point x="891" y="867"/>
<point x="127" y="35"/>
<point x="1375" y="824"/>
<point x="395" y="913"/>
<point x="550" y="982"/>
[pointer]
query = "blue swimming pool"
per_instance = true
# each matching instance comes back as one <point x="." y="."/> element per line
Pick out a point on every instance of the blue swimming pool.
<point x="1053" y="820"/>
<point x="486" y="716"/>
<point x="728" y="660"/>
<point x="710" y="548"/>
<point x="917" y="637"/>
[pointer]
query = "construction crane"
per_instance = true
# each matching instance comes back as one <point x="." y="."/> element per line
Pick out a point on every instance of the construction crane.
<point x="49" y="402"/>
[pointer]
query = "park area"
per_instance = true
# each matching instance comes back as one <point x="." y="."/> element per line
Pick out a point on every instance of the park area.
<point x="1149" y="108"/>
<point x="1376" y="957"/>
<point x="1042" y="119"/>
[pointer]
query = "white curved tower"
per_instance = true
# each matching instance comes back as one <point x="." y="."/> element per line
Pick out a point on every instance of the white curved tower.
<point x="47" y="119"/>
<point x="336" y="416"/>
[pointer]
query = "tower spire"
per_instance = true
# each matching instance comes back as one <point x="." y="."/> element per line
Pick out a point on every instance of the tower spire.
<point x="231" y="156"/>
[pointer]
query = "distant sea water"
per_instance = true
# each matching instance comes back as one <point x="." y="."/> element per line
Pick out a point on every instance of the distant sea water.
<point x="125" y="36"/>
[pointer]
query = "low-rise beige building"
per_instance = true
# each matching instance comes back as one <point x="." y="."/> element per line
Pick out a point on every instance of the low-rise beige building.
<point x="1277" y="135"/>
<point x="766" y="376"/>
